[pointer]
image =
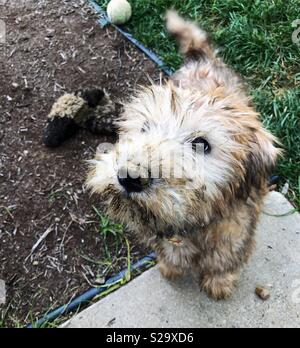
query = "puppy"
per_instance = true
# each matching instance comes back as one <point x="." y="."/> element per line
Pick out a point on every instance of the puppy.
<point x="198" y="209"/>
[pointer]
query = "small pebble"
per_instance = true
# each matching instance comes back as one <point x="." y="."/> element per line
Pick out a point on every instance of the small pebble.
<point x="262" y="293"/>
<point x="99" y="281"/>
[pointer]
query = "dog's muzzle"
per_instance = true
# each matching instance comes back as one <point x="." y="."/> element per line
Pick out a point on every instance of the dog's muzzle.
<point x="133" y="181"/>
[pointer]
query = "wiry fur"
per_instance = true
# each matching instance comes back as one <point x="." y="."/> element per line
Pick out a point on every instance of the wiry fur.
<point x="67" y="105"/>
<point x="213" y="215"/>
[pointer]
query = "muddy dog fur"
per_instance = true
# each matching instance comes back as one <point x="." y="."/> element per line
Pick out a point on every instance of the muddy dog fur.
<point x="203" y="222"/>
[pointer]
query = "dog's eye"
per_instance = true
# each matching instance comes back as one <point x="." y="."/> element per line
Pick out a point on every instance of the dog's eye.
<point x="145" y="127"/>
<point x="200" y="140"/>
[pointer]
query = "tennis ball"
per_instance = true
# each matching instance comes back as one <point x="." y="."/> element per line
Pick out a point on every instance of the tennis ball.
<point x="119" y="11"/>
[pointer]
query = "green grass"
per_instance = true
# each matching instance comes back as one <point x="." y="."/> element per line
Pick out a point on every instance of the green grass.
<point x="106" y="227"/>
<point x="255" y="38"/>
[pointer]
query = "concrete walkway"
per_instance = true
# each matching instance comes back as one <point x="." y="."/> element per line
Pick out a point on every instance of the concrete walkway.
<point x="151" y="301"/>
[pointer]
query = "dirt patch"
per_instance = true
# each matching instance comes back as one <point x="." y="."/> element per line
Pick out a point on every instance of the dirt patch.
<point x="53" y="46"/>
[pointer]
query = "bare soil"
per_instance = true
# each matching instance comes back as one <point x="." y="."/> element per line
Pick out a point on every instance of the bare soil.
<point x="52" y="47"/>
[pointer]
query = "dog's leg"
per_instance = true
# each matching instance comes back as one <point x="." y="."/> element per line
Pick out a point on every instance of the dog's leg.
<point x="220" y="286"/>
<point x="229" y="246"/>
<point x="168" y="270"/>
<point x="193" y="41"/>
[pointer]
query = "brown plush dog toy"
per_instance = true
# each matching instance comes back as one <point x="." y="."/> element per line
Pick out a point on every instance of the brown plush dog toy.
<point x="91" y="109"/>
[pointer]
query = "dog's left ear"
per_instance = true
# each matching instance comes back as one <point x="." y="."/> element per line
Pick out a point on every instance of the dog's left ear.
<point x="261" y="159"/>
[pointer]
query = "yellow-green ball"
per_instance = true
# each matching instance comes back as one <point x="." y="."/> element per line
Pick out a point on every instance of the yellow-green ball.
<point x="119" y="11"/>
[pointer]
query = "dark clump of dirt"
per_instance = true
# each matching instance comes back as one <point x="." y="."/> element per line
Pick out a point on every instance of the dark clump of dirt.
<point x="52" y="47"/>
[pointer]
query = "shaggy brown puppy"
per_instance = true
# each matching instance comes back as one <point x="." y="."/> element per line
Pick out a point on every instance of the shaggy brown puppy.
<point x="197" y="209"/>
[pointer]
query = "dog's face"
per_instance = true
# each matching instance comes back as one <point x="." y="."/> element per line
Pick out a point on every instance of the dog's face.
<point x="183" y="155"/>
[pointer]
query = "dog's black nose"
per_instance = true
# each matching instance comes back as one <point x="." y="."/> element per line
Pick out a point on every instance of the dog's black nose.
<point x="133" y="183"/>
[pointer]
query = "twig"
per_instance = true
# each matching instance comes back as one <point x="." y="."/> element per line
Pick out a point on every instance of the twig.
<point x="42" y="237"/>
<point x="7" y="211"/>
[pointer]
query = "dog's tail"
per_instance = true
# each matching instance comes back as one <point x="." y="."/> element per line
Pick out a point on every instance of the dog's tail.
<point x="194" y="42"/>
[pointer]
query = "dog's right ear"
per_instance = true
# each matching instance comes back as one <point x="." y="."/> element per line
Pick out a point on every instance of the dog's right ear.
<point x="261" y="159"/>
<point x="194" y="42"/>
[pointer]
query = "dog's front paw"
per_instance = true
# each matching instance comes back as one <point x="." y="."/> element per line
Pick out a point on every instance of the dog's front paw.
<point x="219" y="287"/>
<point x="169" y="271"/>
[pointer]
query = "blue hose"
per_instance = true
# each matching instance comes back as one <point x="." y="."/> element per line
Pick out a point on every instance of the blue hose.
<point x="90" y="294"/>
